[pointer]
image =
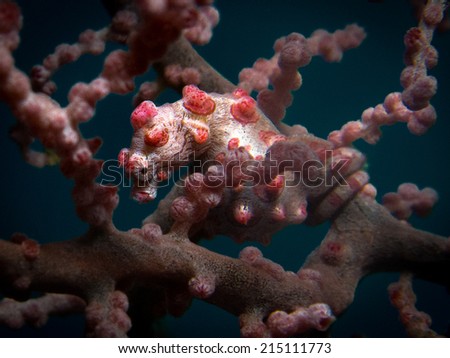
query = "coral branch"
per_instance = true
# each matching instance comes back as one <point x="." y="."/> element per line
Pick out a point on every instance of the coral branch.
<point x="36" y="311"/>
<point x="330" y="275"/>
<point x="409" y="199"/>
<point x="181" y="53"/>
<point x="403" y="298"/>
<point x="291" y="53"/>
<point x="413" y="104"/>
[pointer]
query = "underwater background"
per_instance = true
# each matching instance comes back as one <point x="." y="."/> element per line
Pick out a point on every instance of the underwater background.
<point x="38" y="201"/>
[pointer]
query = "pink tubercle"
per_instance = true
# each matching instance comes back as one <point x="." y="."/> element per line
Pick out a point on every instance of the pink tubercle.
<point x="270" y="137"/>
<point x="201" y="286"/>
<point x="300" y="214"/>
<point x="123" y="157"/>
<point x="143" y="114"/>
<point x="156" y="137"/>
<point x="233" y="143"/>
<point x="272" y="190"/>
<point x="220" y="157"/>
<point x="279" y="213"/>
<point x="332" y="252"/>
<point x="244" y="110"/>
<point x="197" y="101"/>
<point x="242" y="214"/>
<point x="239" y="93"/>
<point x="142" y="197"/>
<point x="201" y="135"/>
<point x="277" y="183"/>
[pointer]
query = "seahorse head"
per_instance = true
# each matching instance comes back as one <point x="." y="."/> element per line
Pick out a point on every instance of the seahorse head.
<point x="164" y="139"/>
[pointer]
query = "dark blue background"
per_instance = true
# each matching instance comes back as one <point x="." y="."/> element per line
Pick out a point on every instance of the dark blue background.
<point x="38" y="202"/>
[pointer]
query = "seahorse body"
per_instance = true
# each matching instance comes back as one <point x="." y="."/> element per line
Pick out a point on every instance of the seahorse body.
<point x="201" y="126"/>
<point x="229" y="128"/>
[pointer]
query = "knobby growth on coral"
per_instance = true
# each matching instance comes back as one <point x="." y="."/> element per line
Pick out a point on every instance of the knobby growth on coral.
<point x="248" y="176"/>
